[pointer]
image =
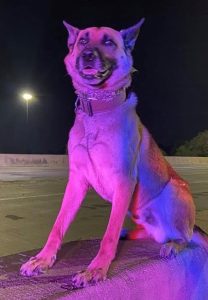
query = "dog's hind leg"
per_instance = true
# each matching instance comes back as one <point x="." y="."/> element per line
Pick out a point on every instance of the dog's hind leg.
<point x="99" y="266"/>
<point x="139" y="232"/>
<point x="175" y="211"/>
<point x="74" y="194"/>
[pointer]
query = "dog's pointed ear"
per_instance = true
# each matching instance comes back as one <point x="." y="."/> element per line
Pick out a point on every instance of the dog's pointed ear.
<point x="73" y="33"/>
<point x="130" y="35"/>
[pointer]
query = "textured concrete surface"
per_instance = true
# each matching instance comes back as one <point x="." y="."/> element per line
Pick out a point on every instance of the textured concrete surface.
<point x="27" y="212"/>
<point x="137" y="273"/>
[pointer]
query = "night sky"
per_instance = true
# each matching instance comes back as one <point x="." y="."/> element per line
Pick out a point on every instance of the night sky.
<point x="171" y="55"/>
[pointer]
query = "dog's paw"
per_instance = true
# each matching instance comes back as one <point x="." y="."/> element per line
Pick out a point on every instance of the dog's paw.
<point x="37" y="265"/>
<point x="171" y="249"/>
<point x="88" y="277"/>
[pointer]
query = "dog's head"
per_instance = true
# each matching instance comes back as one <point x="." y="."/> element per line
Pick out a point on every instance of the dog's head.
<point x="100" y="57"/>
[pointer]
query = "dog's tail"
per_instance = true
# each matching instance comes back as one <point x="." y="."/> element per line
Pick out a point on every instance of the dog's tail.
<point x="200" y="237"/>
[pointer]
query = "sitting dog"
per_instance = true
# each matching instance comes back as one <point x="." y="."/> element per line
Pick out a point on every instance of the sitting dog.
<point x="111" y="151"/>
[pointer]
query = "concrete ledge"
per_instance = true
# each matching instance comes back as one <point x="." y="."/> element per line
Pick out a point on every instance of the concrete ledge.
<point x="137" y="273"/>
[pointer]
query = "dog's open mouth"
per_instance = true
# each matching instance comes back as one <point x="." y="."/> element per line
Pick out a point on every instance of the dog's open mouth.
<point x="91" y="73"/>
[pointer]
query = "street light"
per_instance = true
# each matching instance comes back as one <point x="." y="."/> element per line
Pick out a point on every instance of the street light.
<point x="27" y="97"/>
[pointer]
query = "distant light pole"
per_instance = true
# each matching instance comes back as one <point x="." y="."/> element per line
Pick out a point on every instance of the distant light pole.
<point x="27" y="97"/>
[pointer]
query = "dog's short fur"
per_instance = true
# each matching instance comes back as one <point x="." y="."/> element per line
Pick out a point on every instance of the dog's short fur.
<point x="111" y="151"/>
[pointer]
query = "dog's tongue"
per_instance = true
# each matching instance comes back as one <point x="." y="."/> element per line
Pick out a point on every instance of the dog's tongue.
<point x="89" y="71"/>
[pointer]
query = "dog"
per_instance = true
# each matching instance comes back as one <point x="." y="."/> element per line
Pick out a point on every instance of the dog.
<point x="111" y="151"/>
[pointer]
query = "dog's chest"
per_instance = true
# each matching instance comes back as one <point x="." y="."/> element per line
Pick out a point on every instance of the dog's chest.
<point x="85" y="136"/>
<point x="96" y="148"/>
<point x="93" y="151"/>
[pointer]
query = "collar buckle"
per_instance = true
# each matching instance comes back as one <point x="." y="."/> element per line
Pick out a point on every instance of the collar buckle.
<point x="84" y="105"/>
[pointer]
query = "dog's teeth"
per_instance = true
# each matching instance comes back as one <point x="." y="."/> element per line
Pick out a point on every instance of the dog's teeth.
<point x="103" y="74"/>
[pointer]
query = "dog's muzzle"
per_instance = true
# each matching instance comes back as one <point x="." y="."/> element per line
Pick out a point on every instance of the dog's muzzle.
<point x="89" y="56"/>
<point x="93" y="67"/>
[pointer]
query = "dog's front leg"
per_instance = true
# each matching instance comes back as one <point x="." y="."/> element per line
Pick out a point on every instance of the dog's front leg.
<point x="74" y="194"/>
<point x="99" y="266"/>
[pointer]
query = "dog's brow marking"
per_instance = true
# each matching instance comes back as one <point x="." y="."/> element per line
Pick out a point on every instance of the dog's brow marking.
<point x="31" y="196"/>
<point x="106" y="37"/>
<point x="84" y="35"/>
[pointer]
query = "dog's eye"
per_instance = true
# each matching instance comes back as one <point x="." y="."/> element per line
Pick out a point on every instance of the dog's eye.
<point x="109" y="43"/>
<point x="83" y="41"/>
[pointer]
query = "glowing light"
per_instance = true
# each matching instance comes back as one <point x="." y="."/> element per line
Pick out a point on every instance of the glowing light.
<point x="27" y="96"/>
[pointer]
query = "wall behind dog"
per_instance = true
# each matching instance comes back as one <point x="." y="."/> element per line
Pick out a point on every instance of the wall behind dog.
<point x="170" y="55"/>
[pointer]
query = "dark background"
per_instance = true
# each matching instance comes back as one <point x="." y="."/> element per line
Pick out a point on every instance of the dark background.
<point x="171" y="55"/>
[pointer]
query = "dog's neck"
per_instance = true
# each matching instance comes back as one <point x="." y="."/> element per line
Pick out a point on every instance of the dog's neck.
<point x="92" y="101"/>
<point x="97" y="101"/>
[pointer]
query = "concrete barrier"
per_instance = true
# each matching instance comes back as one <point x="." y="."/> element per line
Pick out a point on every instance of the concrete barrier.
<point x="61" y="161"/>
<point x="36" y="160"/>
<point x="177" y="160"/>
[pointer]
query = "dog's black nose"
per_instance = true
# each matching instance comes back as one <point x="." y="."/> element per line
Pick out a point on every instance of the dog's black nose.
<point x="89" y="55"/>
